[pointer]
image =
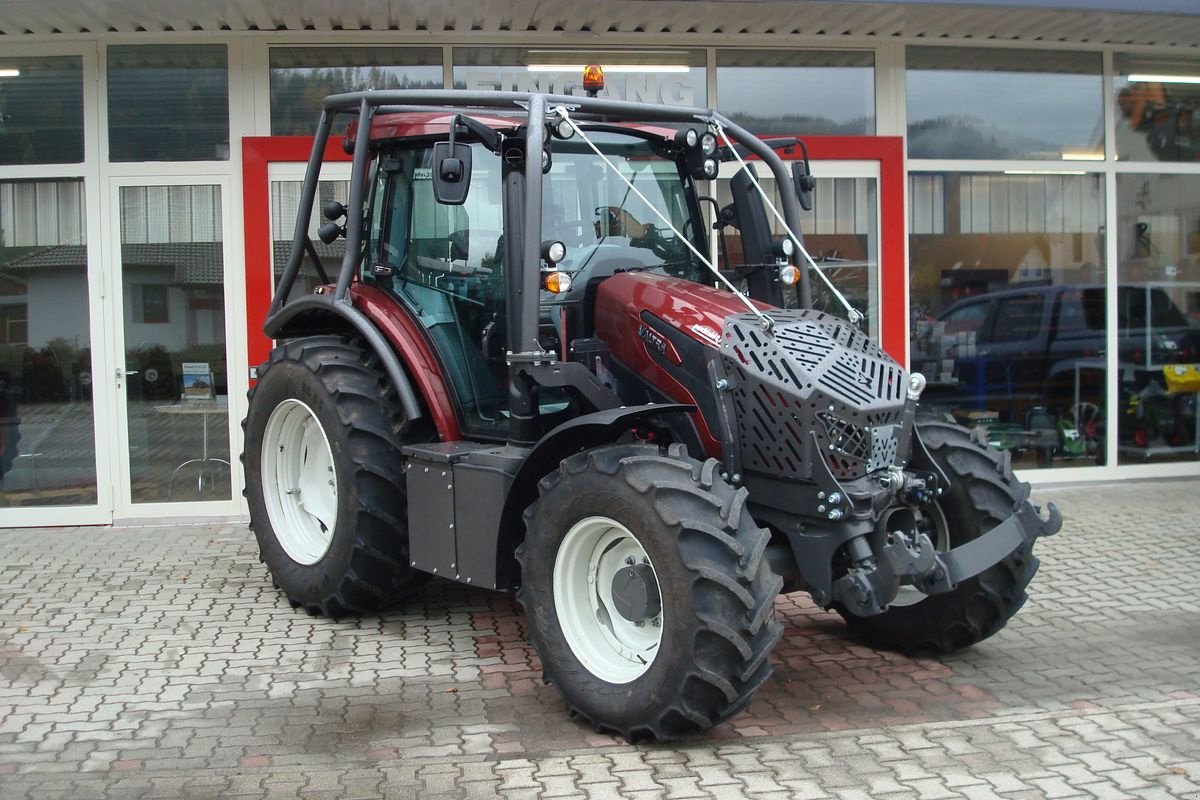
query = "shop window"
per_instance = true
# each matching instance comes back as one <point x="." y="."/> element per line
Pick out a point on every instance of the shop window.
<point x="41" y="110"/>
<point x="1158" y="108"/>
<point x="1007" y="296"/>
<point x="807" y="92"/>
<point x="673" y="77"/>
<point x="302" y="76"/>
<point x="168" y="103"/>
<point x="47" y="439"/>
<point x="982" y="103"/>
<point x="1158" y="317"/>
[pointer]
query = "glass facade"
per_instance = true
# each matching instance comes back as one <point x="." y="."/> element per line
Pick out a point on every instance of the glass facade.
<point x="807" y="92"/>
<point x="1007" y="295"/>
<point x="1158" y="317"/>
<point x="979" y="103"/>
<point x="1028" y="256"/>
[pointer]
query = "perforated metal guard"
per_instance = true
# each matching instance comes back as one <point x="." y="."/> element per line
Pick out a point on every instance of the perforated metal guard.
<point x="816" y="374"/>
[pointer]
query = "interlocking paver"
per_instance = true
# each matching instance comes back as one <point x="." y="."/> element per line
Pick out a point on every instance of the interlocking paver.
<point x="159" y="662"/>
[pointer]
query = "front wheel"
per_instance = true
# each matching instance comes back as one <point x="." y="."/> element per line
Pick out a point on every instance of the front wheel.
<point x="324" y="478"/>
<point x="648" y="596"/>
<point x="983" y="493"/>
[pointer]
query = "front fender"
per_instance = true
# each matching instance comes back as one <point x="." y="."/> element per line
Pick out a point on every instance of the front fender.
<point x="581" y="433"/>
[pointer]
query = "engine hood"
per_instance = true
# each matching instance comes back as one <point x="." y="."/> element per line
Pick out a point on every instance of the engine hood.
<point x="697" y="310"/>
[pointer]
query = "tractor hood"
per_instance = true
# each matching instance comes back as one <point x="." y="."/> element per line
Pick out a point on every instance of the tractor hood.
<point x="697" y="310"/>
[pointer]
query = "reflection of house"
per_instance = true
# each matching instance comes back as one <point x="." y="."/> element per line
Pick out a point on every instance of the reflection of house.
<point x="173" y="293"/>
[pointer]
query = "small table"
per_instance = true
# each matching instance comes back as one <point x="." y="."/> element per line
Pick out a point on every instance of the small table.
<point x="204" y="408"/>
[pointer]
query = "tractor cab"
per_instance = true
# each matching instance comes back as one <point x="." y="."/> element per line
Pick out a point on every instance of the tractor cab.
<point x="441" y="192"/>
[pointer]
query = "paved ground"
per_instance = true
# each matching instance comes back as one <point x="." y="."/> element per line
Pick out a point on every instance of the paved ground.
<point x="159" y="662"/>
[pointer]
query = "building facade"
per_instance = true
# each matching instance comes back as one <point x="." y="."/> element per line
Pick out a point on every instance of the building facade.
<point x="1010" y="190"/>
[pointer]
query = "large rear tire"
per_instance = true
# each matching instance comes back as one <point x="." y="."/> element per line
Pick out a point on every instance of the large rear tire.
<point x="690" y="650"/>
<point x="983" y="493"/>
<point x="324" y="478"/>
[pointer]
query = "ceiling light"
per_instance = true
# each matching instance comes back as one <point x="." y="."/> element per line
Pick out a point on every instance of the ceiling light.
<point x="1082" y="155"/>
<point x="1164" y="78"/>
<point x="10" y="73"/>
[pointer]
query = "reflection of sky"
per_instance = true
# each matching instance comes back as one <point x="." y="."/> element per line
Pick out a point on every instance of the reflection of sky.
<point x="841" y="94"/>
<point x="1060" y="110"/>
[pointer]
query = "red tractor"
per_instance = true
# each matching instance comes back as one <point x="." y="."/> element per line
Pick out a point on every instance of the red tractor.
<point x="527" y="374"/>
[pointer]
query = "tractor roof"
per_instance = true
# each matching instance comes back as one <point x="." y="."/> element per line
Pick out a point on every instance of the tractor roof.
<point x="420" y="124"/>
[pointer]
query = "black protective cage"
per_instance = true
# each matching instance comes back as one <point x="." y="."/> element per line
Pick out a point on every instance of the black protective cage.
<point x="523" y="245"/>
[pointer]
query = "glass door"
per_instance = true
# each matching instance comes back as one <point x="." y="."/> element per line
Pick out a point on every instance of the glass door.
<point x="168" y="300"/>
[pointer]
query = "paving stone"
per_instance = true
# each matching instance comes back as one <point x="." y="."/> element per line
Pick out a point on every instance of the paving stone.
<point x="159" y="662"/>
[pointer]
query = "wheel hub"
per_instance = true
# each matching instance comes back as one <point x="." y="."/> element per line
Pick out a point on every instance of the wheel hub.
<point x="635" y="593"/>
<point x="299" y="483"/>
<point x="607" y="599"/>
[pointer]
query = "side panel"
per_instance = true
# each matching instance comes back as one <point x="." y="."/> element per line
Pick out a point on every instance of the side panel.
<point x="408" y="339"/>
<point x="635" y="311"/>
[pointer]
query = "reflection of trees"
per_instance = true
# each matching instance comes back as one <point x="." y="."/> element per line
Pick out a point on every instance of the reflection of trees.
<point x="296" y="94"/>
<point x="954" y="136"/>
<point x="804" y="125"/>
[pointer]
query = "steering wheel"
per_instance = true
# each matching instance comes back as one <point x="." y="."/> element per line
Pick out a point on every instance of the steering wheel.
<point x="666" y="249"/>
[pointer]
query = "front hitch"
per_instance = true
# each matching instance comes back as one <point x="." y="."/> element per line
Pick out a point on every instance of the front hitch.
<point x="911" y="558"/>
<point x="970" y="559"/>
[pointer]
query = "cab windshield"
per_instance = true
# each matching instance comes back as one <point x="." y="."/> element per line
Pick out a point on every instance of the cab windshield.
<point x="605" y="225"/>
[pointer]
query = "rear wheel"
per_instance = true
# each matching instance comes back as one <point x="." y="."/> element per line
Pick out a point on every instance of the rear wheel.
<point x="983" y="493"/>
<point x="647" y="593"/>
<point x="324" y="478"/>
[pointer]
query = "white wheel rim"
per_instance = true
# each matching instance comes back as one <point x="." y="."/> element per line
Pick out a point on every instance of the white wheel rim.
<point x="609" y="646"/>
<point x="299" y="484"/>
<point x="910" y="595"/>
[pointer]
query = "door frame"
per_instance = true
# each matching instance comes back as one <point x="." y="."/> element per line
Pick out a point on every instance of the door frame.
<point x="258" y="153"/>
<point x="117" y="440"/>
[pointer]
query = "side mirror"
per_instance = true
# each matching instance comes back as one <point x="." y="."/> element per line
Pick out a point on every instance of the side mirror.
<point x="452" y="168"/>
<point x="451" y="172"/>
<point x="803" y="182"/>
<point x="330" y="231"/>
<point x="333" y="210"/>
